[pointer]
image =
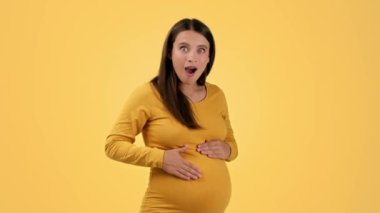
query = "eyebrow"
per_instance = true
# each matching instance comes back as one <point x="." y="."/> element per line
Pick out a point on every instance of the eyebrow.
<point x="201" y="45"/>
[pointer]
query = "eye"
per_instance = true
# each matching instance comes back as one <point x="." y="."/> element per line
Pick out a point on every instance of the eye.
<point x="183" y="48"/>
<point x="201" y="50"/>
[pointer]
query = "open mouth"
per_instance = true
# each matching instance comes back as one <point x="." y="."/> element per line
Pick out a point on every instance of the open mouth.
<point x="190" y="69"/>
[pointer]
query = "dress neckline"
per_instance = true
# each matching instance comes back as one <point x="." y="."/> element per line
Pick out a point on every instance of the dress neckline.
<point x="190" y="101"/>
<point x="203" y="99"/>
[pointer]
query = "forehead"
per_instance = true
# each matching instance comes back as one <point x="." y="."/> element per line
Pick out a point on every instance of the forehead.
<point x="191" y="37"/>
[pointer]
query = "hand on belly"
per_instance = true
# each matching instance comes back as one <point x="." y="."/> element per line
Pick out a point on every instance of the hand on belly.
<point x="208" y="193"/>
<point x="215" y="149"/>
<point x="176" y="165"/>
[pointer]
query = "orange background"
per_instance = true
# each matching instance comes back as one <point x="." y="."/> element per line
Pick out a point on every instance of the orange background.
<point x="301" y="79"/>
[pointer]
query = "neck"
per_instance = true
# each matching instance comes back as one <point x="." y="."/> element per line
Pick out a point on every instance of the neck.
<point x="194" y="92"/>
<point x="190" y="88"/>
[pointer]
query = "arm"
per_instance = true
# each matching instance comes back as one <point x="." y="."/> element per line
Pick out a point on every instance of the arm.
<point x="120" y="147"/>
<point x="221" y="149"/>
<point x="119" y="143"/>
<point x="230" y="139"/>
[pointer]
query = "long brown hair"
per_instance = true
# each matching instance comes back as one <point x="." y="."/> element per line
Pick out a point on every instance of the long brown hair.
<point x="167" y="83"/>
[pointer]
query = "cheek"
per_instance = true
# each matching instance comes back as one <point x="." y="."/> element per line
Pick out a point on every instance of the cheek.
<point x="205" y="60"/>
<point x="177" y="58"/>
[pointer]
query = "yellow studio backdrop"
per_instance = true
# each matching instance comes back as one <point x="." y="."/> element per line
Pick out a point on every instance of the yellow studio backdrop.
<point x="301" y="79"/>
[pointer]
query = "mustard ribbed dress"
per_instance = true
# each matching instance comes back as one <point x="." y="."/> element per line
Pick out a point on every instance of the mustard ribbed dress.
<point x="144" y="112"/>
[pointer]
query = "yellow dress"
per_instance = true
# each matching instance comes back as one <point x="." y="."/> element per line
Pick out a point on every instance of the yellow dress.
<point x="144" y="112"/>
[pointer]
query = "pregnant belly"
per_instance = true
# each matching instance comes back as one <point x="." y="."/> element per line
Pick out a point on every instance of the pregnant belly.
<point x="210" y="193"/>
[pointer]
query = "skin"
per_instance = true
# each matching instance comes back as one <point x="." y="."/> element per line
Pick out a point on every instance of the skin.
<point x="191" y="49"/>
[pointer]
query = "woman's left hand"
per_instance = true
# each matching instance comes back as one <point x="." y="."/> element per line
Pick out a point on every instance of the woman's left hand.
<point x="215" y="149"/>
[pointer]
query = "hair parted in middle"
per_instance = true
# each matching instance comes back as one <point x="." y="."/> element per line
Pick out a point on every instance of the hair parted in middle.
<point x="167" y="83"/>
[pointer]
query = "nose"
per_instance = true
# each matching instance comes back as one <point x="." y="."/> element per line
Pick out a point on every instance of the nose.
<point x="192" y="56"/>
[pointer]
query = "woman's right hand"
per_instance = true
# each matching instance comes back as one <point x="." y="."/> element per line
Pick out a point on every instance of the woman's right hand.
<point x="176" y="165"/>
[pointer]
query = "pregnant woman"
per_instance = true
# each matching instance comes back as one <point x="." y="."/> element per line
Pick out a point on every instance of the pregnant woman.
<point x="185" y="125"/>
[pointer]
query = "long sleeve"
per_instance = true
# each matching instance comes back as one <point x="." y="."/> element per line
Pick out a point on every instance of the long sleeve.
<point x="230" y="139"/>
<point x="120" y="142"/>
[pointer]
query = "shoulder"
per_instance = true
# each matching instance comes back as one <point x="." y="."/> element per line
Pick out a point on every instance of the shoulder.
<point x="144" y="93"/>
<point x="217" y="97"/>
<point x="214" y="90"/>
<point x="142" y="90"/>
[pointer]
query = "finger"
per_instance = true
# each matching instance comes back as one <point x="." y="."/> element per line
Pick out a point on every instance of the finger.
<point x="193" y="176"/>
<point x="202" y="144"/>
<point x="218" y="146"/>
<point x="215" y="144"/>
<point x="219" y="155"/>
<point x="213" y="156"/>
<point x="204" y="147"/>
<point x="206" y="152"/>
<point x="187" y="174"/>
<point x="192" y="169"/>
<point x="210" y="144"/>
<point x="180" y="175"/>
<point x="215" y="152"/>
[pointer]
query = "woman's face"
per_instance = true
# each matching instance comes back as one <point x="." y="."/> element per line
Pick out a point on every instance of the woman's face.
<point x="190" y="56"/>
